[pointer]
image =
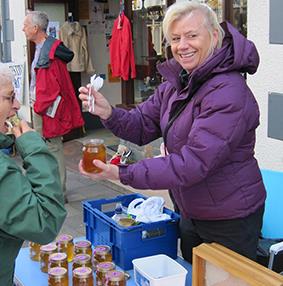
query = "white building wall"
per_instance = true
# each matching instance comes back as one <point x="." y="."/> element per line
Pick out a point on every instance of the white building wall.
<point x="19" y="49"/>
<point x="269" y="78"/>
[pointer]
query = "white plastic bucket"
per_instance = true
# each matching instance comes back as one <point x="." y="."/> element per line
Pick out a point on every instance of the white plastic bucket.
<point x="158" y="270"/>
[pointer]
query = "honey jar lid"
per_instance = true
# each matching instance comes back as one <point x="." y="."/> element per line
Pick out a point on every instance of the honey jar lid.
<point x="115" y="276"/>
<point x="94" y="141"/>
<point x="82" y="244"/>
<point x="102" y="249"/>
<point x="58" y="272"/>
<point x="64" y="238"/>
<point x="48" y="248"/>
<point x="82" y="258"/>
<point x="82" y="272"/>
<point x="58" y="256"/>
<point x="126" y="221"/>
<point x="105" y="266"/>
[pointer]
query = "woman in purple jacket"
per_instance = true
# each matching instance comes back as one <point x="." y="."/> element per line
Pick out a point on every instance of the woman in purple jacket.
<point x="207" y="116"/>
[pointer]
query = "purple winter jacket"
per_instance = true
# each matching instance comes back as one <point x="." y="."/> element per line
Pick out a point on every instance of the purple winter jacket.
<point x="210" y="169"/>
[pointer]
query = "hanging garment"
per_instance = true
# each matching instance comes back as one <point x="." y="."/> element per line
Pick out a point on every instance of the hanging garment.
<point x="122" y="57"/>
<point x="74" y="37"/>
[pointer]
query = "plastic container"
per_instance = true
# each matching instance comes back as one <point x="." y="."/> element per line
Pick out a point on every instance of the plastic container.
<point x="158" y="270"/>
<point x="132" y="242"/>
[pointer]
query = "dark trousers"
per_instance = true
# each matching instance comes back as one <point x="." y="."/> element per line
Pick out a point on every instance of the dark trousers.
<point x="240" y="235"/>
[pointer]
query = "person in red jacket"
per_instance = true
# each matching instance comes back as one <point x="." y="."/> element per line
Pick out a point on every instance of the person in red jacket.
<point x="56" y="110"/>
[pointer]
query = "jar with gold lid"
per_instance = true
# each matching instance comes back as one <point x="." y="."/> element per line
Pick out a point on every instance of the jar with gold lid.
<point x="83" y="246"/>
<point x="115" y="278"/>
<point x="65" y="244"/>
<point x="93" y="149"/>
<point x="101" y="269"/>
<point x="58" y="259"/>
<point x="82" y="260"/>
<point x="82" y="276"/>
<point x="34" y="251"/>
<point x="45" y="252"/>
<point x="58" y="276"/>
<point x="101" y="253"/>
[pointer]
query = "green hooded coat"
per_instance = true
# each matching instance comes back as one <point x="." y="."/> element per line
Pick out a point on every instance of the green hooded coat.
<point x="31" y="200"/>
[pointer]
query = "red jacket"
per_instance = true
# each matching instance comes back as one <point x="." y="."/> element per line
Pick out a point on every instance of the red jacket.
<point x="52" y="80"/>
<point x="122" y="57"/>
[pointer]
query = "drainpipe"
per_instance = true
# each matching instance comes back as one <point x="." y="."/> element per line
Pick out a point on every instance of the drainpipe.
<point x="7" y="32"/>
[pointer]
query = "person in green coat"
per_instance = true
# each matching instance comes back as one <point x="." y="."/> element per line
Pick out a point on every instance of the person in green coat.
<point x="31" y="199"/>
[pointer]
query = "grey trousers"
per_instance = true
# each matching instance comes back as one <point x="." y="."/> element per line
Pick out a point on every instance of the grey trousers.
<point x="55" y="146"/>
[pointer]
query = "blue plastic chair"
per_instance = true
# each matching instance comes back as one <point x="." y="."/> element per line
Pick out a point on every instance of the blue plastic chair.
<point x="273" y="214"/>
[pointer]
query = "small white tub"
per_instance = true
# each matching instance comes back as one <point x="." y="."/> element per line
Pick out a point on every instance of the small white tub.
<point x="158" y="270"/>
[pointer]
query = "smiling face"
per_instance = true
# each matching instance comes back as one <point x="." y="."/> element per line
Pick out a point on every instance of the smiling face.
<point x="191" y="42"/>
<point x="8" y="104"/>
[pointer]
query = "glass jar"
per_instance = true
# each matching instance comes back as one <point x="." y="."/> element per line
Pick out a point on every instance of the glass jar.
<point x="45" y="252"/>
<point x="34" y="251"/>
<point x="65" y="244"/>
<point x="58" y="276"/>
<point x="58" y="259"/>
<point x="93" y="149"/>
<point x="83" y="246"/>
<point x="101" y="269"/>
<point x="115" y="278"/>
<point x="101" y="253"/>
<point x="82" y="276"/>
<point x="82" y="260"/>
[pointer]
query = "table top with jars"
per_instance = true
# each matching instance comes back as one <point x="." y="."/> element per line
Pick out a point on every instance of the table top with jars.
<point x="69" y="261"/>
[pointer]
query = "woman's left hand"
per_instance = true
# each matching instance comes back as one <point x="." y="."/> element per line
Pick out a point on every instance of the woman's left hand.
<point x="109" y="171"/>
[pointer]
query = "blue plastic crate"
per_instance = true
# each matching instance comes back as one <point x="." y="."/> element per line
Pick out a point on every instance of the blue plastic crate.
<point x="132" y="242"/>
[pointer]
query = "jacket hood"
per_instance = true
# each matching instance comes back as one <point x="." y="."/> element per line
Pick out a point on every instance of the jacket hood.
<point x="53" y="48"/>
<point x="5" y="141"/>
<point x="236" y="54"/>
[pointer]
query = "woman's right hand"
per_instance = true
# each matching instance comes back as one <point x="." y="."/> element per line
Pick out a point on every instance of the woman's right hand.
<point x="102" y="107"/>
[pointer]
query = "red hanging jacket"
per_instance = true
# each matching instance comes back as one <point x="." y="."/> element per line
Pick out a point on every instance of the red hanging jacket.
<point x="122" y="57"/>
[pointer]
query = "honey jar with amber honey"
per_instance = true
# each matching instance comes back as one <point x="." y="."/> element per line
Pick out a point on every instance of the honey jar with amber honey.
<point x="57" y="276"/>
<point x="115" y="278"/>
<point x="101" y="253"/>
<point x="34" y="251"/>
<point x="65" y="244"/>
<point x="83" y="246"/>
<point x="45" y="252"/>
<point x="82" y="276"/>
<point x="93" y="149"/>
<point x="101" y="269"/>
<point x="82" y="260"/>
<point x="58" y="259"/>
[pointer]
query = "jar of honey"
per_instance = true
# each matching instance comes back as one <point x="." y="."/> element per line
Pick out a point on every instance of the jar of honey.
<point x="58" y="259"/>
<point x="82" y="276"/>
<point x="101" y="253"/>
<point x="115" y="278"/>
<point x="65" y="244"/>
<point x="101" y="269"/>
<point x="57" y="276"/>
<point x="83" y="246"/>
<point x="93" y="149"/>
<point x="82" y="260"/>
<point x="45" y="252"/>
<point x="34" y="251"/>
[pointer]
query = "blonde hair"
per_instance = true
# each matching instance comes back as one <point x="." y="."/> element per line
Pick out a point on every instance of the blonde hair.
<point x="181" y="9"/>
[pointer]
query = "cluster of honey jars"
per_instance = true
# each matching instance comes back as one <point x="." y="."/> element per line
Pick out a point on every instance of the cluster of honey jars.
<point x="54" y="259"/>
